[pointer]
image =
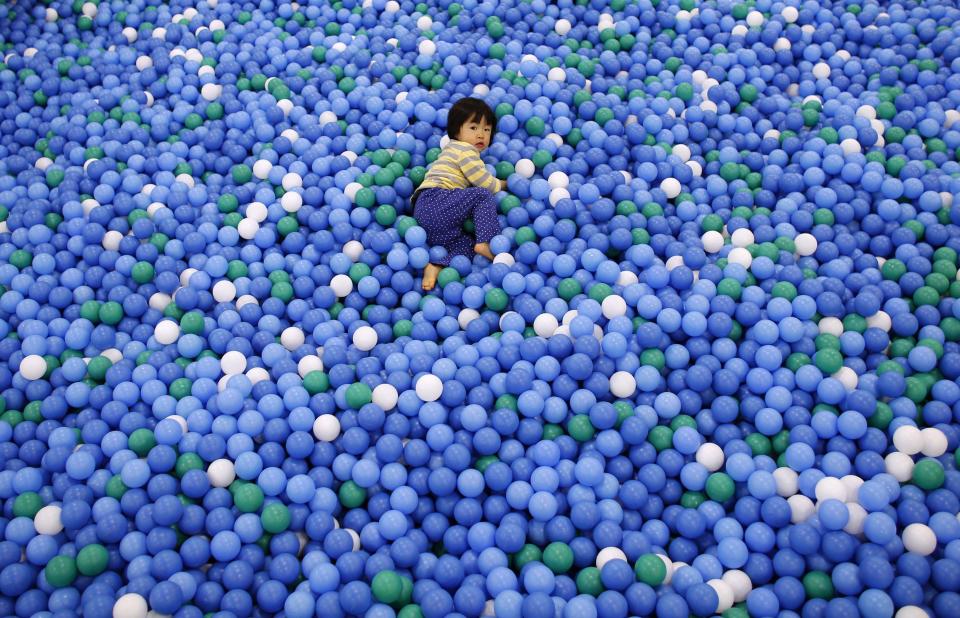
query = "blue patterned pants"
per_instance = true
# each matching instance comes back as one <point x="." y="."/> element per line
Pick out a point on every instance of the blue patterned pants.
<point x="441" y="212"/>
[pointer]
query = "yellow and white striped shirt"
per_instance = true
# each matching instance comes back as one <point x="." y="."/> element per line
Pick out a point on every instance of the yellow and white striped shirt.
<point x="459" y="166"/>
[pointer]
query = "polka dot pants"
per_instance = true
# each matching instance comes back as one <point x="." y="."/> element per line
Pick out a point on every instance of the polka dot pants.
<point x="441" y="212"/>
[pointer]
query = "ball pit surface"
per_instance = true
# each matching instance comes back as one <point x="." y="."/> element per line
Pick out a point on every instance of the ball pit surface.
<point x="714" y="367"/>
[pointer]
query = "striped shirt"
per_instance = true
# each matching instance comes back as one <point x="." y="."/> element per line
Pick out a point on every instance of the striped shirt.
<point x="458" y="167"/>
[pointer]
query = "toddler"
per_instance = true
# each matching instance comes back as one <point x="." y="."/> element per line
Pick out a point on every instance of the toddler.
<point x="458" y="186"/>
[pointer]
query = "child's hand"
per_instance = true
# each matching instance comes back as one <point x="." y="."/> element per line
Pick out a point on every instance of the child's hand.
<point x="503" y="185"/>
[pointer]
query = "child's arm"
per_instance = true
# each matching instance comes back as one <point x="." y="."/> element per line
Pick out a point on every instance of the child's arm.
<point x="476" y="173"/>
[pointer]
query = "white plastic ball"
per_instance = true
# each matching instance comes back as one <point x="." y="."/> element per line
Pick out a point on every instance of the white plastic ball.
<point x="682" y="151"/>
<point x="429" y="388"/>
<point x="852" y="483"/>
<point x="111" y="240"/>
<point x="166" y="331"/>
<point x="626" y="278"/>
<point x="712" y="241"/>
<point x="806" y="244"/>
<point x="787" y="480"/>
<point x="556" y="74"/>
<point x="740" y="256"/>
<point x="427" y="47"/>
<point x="233" y="363"/>
<point x="247" y="228"/>
<point x="725" y="594"/>
<point x="385" y="396"/>
<point x="562" y="27"/>
<point x="667" y="562"/>
<point x="739" y="30"/>
<point x="545" y="325"/>
<point x="327" y="117"/>
<point x="159" y="301"/>
<point x="919" y="539"/>
<point x="674" y="261"/>
<point x="211" y="92"/>
<point x="607" y="554"/>
<point x="466" y="316"/>
<point x="754" y="18"/>
<point x="857" y="517"/>
<point x="130" y="605"/>
<point x="291" y="180"/>
<point x="801" y="508"/>
<point x="742" y="237"/>
<point x="143" y="63"/>
<point x="613" y="306"/>
<point x="221" y="473"/>
<point x="352" y="249"/>
<point x="33" y="367"/>
<point x="257" y="211"/>
<point x="790" y="14"/>
<point x="850" y="146"/>
<point x="365" y="338"/>
<point x="934" y="442"/>
<point x="525" y="168"/>
<point x="739" y="582"/>
<point x="51" y="15"/>
<point x="710" y="456"/>
<point x="246" y="299"/>
<point x="830" y="326"/>
<point x="560" y="193"/>
<point x="185" y="276"/>
<point x="670" y="187"/>
<point x="113" y="354"/>
<point x="504" y="258"/>
<point x="908" y="439"/>
<point x="899" y="465"/>
<point x="261" y="169"/>
<point x="782" y="44"/>
<point x="848" y="377"/>
<point x="821" y="70"/>
<point x="952" y="116"/>
<point x="309" y="363"/>
<point x="224" y="291"/>
<point x="623" y="384"/>
<point x="341" y="285"/>
<point x="326" y="428"/>
<point x="353" y="188"/>
<point x="43" y="163"/>
<point x="291" y="201"/>
<point x="830" y="488"/>
<point x="47" y="520"/>
<point x="292" y="338"/>
<point x="257" y="374"/>
<point x="558" y="180"/>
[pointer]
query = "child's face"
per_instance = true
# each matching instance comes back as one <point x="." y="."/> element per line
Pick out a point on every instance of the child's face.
<point x="477" y="132"/>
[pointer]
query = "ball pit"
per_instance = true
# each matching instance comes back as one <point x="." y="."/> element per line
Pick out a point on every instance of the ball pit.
<point x="714" y="367"/>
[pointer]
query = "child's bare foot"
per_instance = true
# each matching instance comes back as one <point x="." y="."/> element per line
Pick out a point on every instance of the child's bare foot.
<point x="483" y="249"/>
<point x="430" y="276"/>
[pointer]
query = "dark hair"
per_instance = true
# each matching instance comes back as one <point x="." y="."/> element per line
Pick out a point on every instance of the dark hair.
<point x="465" y="110"/>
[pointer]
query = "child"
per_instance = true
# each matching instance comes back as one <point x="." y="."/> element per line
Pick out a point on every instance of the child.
<point x="458" y="186"/>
